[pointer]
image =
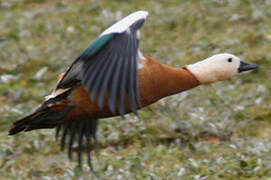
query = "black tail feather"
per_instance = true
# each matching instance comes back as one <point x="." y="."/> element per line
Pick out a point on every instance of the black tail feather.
<point x="20" y="125"/>
<point x="39" y="120"/>
<point x="84" y="132"/>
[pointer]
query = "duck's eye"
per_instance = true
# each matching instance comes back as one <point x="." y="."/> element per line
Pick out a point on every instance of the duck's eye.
<point x="230" y="60"/>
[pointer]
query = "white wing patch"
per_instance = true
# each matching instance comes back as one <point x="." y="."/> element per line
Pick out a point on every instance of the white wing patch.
<point x="52" y="95"/>
<point x="138" y="34"/>
<point x="125" y="23"/>
<point x="141" y="59"/>
<point x="55" y="93"/>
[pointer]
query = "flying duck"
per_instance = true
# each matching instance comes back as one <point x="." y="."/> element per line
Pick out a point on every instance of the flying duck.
<point x="112" y="77"/>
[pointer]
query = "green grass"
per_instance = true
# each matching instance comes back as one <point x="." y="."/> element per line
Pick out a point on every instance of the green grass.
<point x="218" y="131"/>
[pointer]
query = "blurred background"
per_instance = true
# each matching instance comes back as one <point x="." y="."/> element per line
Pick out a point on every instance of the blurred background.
<point x="218" y="131"/>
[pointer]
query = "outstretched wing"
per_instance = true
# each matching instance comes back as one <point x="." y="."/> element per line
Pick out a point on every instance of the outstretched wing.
<point x="110" y="65"/>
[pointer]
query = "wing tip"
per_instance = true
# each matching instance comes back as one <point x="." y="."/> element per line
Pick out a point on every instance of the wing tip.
<point x="142" y="13"/>
<point x="123" y="24"/>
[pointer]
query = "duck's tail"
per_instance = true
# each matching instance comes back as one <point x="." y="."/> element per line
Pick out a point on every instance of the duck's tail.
<point x="78" y="130"/>
<point x="40" y="119"/>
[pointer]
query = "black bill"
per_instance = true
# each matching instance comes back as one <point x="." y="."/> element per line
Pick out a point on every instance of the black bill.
<point x="246" y="66"/>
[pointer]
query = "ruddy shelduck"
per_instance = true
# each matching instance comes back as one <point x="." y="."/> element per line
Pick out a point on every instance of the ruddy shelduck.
<point x="111" y="77"/>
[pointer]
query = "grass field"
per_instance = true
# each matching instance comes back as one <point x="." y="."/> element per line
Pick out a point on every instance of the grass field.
<point x="218" y="131"/>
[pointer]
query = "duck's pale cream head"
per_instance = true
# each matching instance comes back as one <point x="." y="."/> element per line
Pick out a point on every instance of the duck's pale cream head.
<point x="219" y="67"/>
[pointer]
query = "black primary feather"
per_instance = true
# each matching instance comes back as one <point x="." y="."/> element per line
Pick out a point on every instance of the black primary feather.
<point x="64" y="135"/>
<point x="80" y="139"/>
<point x="82" y="133"/>
<point x="58" y="128"/>
<point x="72" y="136"/>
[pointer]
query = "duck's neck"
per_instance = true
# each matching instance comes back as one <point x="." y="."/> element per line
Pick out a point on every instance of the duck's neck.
<point x="176" y="80"/>
<point x="159" y="80"/>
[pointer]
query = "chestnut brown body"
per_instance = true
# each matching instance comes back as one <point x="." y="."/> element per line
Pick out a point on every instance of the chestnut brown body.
<point x="156" y="81"/>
